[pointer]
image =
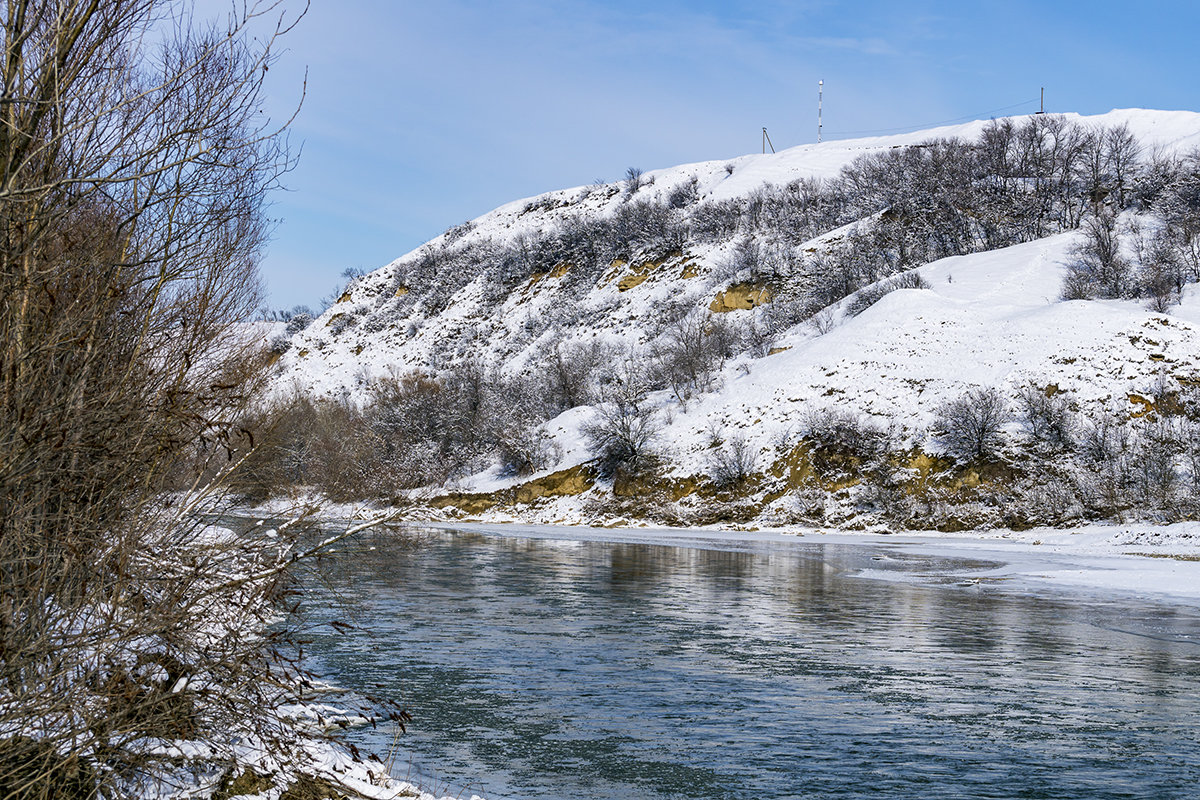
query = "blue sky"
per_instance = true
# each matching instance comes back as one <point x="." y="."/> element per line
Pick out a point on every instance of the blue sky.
<point x="420" y="115"/>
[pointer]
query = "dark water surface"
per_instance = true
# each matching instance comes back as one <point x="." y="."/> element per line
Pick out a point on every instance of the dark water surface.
<point x="538" y="668"/>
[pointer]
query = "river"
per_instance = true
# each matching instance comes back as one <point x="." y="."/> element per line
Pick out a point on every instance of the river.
<point x="559" y="669"/>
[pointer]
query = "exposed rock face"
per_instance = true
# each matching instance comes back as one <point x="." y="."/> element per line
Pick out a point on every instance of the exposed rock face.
<point x="740" y="297"/>
<point x="564" y="483"/>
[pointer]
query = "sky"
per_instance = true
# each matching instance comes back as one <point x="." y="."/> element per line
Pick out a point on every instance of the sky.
<point x="420" y="115"/>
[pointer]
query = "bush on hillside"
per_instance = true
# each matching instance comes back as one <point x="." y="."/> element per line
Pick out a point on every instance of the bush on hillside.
<point x="298" y="323"/>
<point x="1100" y="268"/>
<point x="732" y="463"/>
<point x="624" y="428"/>
<point x="688" y="356"/>
<point x="970" y="426"/>
<point x="1047" y="416"/>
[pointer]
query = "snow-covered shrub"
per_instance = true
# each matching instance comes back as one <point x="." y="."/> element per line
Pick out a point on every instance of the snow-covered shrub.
<point x="340" y="323"/>
<point x="732" y="463"/>
<point x="1105" y="436"/>
<point x="298" y="323"/>
<point x="1147" y="464"/>
<point x="1099" y="268"/>
<point x="624" y="428"/>
<point x="1162" y="271"/>
<point x="376" y="323"/>
<point x="823" y="321"/>
<point x="683" y="195"/>
<point x="839" y="429"/>
<point x="756" y="335"/>
<point x="1191" y="454"/>
<point x="743" y="263"/>
<point x="1105" y="447"/>
<point x="570" y="371"/>
<point x="970" y="426"/>
<point x="1047" y="416"/>
<point x="280" y="345"/>
<point x="715" y="220"/>
<point x="1157" y="463"/>
<point x="646" y="227"/>
<point x="456" y="232"/>
<point x="688" y="356"/>
<point x="526" y="449"/>
<point x="841" y="270"/>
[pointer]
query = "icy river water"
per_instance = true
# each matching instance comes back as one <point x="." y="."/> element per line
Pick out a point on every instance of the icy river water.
<point x="552" y="668"/>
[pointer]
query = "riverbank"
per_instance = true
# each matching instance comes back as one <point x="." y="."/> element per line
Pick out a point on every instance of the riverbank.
<point x="299" y="760"/>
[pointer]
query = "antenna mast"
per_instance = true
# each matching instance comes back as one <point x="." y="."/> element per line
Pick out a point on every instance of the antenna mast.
<point x="820" y="99"/>
<point x="767" y="141"/>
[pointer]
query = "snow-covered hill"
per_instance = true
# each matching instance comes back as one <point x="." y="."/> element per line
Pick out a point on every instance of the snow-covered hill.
<point x="498" y="291"/>
<point x="381" y="324"/>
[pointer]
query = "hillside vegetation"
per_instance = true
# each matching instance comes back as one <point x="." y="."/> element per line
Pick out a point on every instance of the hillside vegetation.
<point x="991" y="324"/>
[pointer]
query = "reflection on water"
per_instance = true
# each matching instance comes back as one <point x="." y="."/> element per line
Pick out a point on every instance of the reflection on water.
<point x="558" y="669"/>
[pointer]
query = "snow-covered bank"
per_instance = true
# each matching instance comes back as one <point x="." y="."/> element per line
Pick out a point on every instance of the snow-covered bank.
<point x="332" y="357"/>
<point x="267" y="737"/>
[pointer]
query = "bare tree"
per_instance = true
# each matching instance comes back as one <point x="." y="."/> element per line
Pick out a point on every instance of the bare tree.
<point x="1156" y="461"/>
<point x="1106" y="445"/>
<point x="633" y="180"/>
<point x="625" y="427"/>
<point x="970" y="425"/>
<point x="1121" y="153"/>
<point x="135" y="160"/>
<point x="1047" y="416"/>
<point x="1099" y="269"/>
<point x="733" y="463"/>
<point x="569" y="369"/>
<point x="690" y="353"/>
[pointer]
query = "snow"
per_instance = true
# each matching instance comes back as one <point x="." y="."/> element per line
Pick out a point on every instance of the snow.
<point x="988" y="320"/>
<point x="338" y="365"/>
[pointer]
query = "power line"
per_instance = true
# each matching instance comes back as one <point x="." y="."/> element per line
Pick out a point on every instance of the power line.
<point x="969" y="118"/>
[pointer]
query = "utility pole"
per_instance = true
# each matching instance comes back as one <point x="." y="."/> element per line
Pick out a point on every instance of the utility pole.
<point x="1043" y="109"/>
<point x="767" y="141"/>
<point x="820" y="99"/>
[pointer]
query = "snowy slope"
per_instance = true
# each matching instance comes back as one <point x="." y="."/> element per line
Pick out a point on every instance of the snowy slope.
<point x="327" y="359"/>
<point x="988" y="320"/>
